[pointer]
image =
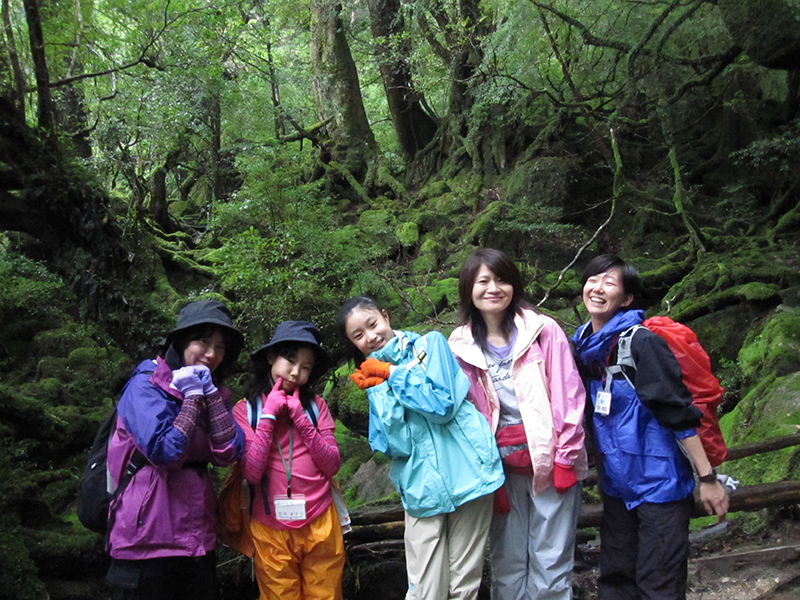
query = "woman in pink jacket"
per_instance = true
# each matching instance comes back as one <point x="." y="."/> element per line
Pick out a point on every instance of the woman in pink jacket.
<point x="525" y="382"/>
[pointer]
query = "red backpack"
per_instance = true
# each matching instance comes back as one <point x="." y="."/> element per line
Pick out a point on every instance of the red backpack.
<point x="697" y="377"/>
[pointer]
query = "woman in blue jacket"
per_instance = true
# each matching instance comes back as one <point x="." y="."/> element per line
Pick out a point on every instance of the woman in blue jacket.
<point x="445" y="462"/>
<point x="644" y="428"/>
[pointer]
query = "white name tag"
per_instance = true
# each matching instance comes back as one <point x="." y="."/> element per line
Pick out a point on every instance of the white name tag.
<point x="290" y="509"/>
<point x="602" y="403"/>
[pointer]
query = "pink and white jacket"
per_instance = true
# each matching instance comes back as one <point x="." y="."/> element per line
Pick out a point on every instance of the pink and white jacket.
<point x="548" y="387"/>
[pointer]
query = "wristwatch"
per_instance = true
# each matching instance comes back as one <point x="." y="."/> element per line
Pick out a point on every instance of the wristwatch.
<point x="710" y="478"/>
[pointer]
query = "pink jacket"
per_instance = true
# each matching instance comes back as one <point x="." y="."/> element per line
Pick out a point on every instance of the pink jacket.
<point x="549" y="390"/>
<point x="315" y="460"/>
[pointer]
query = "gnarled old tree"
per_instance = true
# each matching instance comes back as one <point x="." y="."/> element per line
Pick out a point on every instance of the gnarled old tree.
<point x="338" y="96"/>
<point x="413" y="122"/>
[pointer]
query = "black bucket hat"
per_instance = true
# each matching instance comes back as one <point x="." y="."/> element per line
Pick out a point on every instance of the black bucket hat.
<point x="209" y="312"/>
<point x="303" y="332"/>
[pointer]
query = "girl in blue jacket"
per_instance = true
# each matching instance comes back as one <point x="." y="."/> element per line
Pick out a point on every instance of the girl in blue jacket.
<point x="445" y="462"/>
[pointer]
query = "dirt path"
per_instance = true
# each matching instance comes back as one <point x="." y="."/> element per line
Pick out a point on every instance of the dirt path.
<point x="725" y="565"/>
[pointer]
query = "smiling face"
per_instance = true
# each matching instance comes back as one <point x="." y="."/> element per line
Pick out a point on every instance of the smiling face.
<point x="490" y="294"/>
<point x="368" y="329"/>
<point x="208" y="350"/>
<point x="604" y="296"/>
<point x="295" y="369"/>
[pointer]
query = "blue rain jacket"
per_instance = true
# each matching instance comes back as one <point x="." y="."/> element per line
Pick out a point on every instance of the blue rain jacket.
<point x="638" y="439"/>
<point x="443" y="452"/>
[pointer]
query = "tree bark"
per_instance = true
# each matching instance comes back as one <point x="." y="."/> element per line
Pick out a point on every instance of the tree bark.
<point x="414" y="126"/>
<point x="13" y="58"/>
<point x="44" y="112"/>
<point x="338" y="93"/>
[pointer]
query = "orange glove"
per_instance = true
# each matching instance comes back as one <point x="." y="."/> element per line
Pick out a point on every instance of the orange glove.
<point x="363" y="382"/>
<point x="372" y="367"/>
<point x="563" y="477"/>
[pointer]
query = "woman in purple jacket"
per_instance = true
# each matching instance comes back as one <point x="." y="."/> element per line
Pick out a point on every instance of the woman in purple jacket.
<point x="161" y="528"/>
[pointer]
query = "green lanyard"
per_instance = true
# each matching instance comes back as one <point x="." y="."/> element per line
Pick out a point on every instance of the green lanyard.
<point x="283" y="460"/>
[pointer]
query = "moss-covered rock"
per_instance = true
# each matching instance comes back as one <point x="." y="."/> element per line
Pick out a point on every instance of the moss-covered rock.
<point x="773" y="350"/>
<point x="407" y="233"/>
<point x="771" y="409"/>
<point x="52" y="366"/>
<point x="49" y="389"/>
<point x="60" y="342"/>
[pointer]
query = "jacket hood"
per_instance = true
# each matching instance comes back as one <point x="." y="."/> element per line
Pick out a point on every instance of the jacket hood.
<point x="529" y="325"/>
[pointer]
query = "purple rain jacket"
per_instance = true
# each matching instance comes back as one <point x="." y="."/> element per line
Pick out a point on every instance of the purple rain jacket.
<point x="169" y="507"/>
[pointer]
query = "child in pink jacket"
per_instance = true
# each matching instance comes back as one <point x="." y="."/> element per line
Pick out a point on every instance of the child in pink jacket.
<point x="290" y="459"/>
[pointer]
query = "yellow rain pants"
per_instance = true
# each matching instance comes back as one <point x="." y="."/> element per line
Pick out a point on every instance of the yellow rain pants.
<point x="300" y="564"/>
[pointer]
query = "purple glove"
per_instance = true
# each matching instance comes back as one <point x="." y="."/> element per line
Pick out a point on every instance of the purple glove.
<point x="209" y="389"/>
<point x="275" y="404"/>
<point x="189" y="380"/>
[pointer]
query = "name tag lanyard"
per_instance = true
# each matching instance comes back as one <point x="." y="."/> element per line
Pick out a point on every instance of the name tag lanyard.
<point x="286" y="507"/>
<point x="603" y="397"/>
<point x="288" y="468"/>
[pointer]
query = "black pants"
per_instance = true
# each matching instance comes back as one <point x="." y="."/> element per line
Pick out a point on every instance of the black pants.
<point x="644" y="552"/>
<point x="168" y="578"/>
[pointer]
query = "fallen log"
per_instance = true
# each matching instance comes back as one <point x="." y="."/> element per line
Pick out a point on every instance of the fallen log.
<point x="769" y="445"/>
<point x="374" y="550"/>
<point x="377" y="515"/>
<point x="747" y="497"/>
<point x="374" y="533"/>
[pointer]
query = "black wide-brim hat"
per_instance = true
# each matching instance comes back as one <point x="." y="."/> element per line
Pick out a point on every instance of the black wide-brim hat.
<point x="303" y="332"/>
<point x="209" y="312"/>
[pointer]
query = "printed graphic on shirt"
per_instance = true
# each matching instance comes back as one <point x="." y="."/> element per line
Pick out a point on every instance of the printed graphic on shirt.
<point x="500" y="372"/>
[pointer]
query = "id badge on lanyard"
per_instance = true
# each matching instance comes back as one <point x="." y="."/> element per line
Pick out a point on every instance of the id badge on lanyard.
<point x="602" y="400"/>
<point x="602" y="403"/>
<point x="289" y="507"/>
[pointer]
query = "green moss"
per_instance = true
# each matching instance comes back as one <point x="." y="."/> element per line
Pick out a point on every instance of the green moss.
<point x="451" y="204"/>
<point x="775" y="349"/>
<point x="19" y="576"/>
<point x="375" y="221"/>
<point x="50" y="389"/>
<point x="770" y="409"/>
<point x="81" y="358"/>
<point x="407" y="234"/>
<point x="51" y="366"/>
<point x="434" y="189"/>
<point x="60" y="342"/>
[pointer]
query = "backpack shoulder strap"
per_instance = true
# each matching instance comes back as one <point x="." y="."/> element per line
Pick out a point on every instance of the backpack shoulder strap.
<point x="253" y="412"/>
<point x="624" y="356"/>
<point x="624" y="353"/>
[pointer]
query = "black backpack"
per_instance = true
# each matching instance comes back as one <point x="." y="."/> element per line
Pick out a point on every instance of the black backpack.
<point x="94" y="499"/>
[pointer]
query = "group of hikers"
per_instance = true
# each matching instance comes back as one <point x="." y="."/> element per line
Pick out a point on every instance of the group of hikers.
<point x="484" y="431"/>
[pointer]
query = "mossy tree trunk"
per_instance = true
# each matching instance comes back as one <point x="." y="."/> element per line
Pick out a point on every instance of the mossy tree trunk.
<point x="337" y="92"/>
<point x="415" y="127"/>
